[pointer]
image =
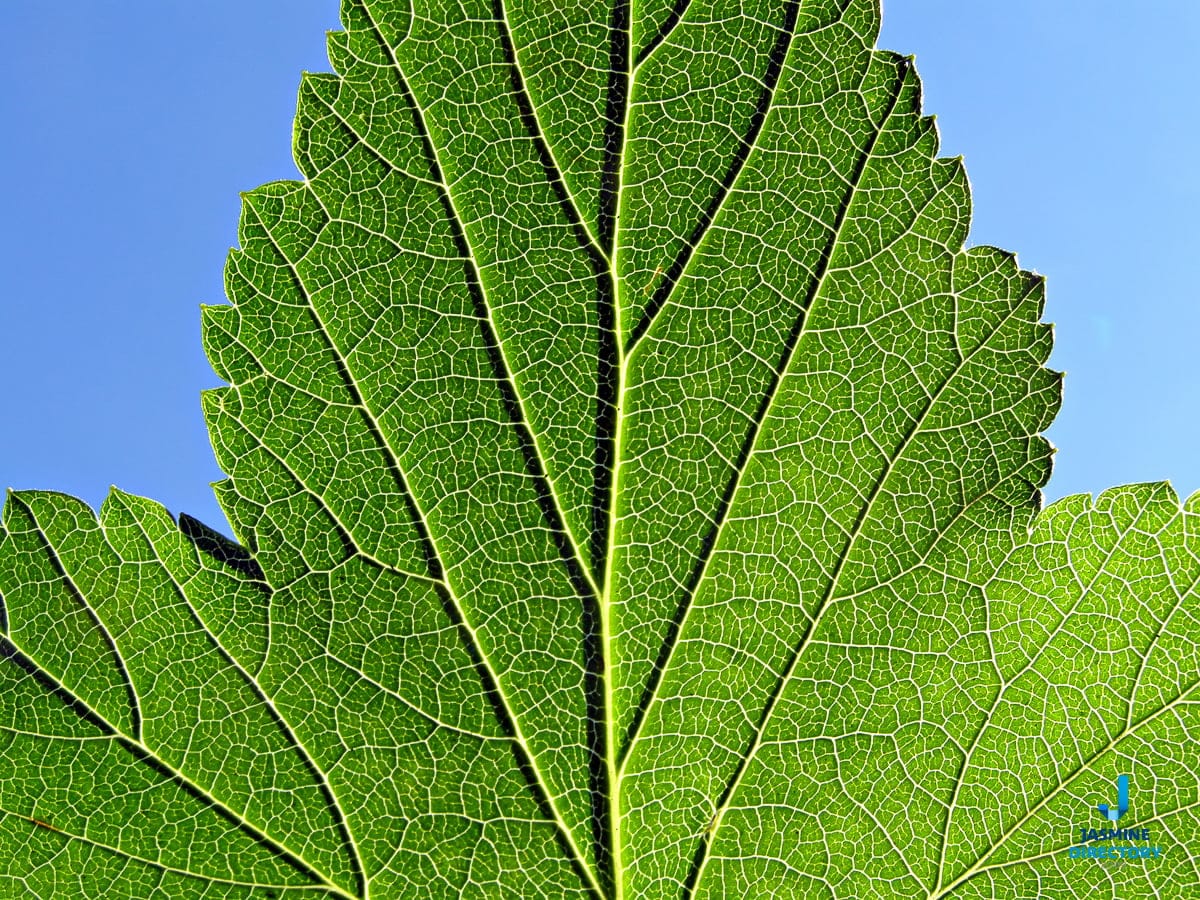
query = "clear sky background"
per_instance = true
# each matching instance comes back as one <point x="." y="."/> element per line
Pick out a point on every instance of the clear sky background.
<point x="130" y="128"/>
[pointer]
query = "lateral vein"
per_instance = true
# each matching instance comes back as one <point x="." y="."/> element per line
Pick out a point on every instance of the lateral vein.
<point x="476" y="645"/>
<point x="144" y="754"/>
<point x="674" y="274"/>
<point x="830" y="593"/>
<point x="324" y="785"/>
<point x="1085" y="766"/>
<point x="487" y="321"/>
<point x="750" y="443"/>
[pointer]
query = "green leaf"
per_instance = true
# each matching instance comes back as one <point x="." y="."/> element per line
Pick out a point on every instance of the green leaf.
<point x="1092" y="624"/>
<point x="141" y="752"/>
<point x="636" y="478"/>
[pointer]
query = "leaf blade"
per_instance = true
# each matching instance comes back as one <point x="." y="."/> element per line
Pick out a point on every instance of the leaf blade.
<point x="166" y="748"/>
<point x="636" y="474"/>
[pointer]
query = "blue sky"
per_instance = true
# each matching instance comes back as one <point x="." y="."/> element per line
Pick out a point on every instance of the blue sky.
<point x="131" y="128"/>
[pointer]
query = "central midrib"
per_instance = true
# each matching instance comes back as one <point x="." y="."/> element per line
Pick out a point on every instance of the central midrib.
<point x="617" y="109"/>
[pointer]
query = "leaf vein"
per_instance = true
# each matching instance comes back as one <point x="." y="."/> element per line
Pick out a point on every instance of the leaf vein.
<point x="148" y="757"/>
<point x="831" y="592"/>
<point x="750" y="443"/>
<point x="323" y="783"/>
<point x="492" y="682"/>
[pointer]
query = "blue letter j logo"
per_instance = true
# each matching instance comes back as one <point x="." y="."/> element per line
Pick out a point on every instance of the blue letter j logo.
<point x="1122" y="806"/>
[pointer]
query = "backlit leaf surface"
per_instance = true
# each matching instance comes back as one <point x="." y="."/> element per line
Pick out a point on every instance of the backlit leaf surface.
<point x="638" y="482"/>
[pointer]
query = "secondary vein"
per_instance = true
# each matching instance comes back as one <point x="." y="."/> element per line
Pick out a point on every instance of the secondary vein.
<point x="831" y="591"/>
<point x="81" y="597"/>
<point x="146" y="755"/>
<point x="505" y="379"/>
<point x="324" y="785"/>
<point x="750" y="443"/>
<point x="674" y="273"/>
<point x="436" y="557"/>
